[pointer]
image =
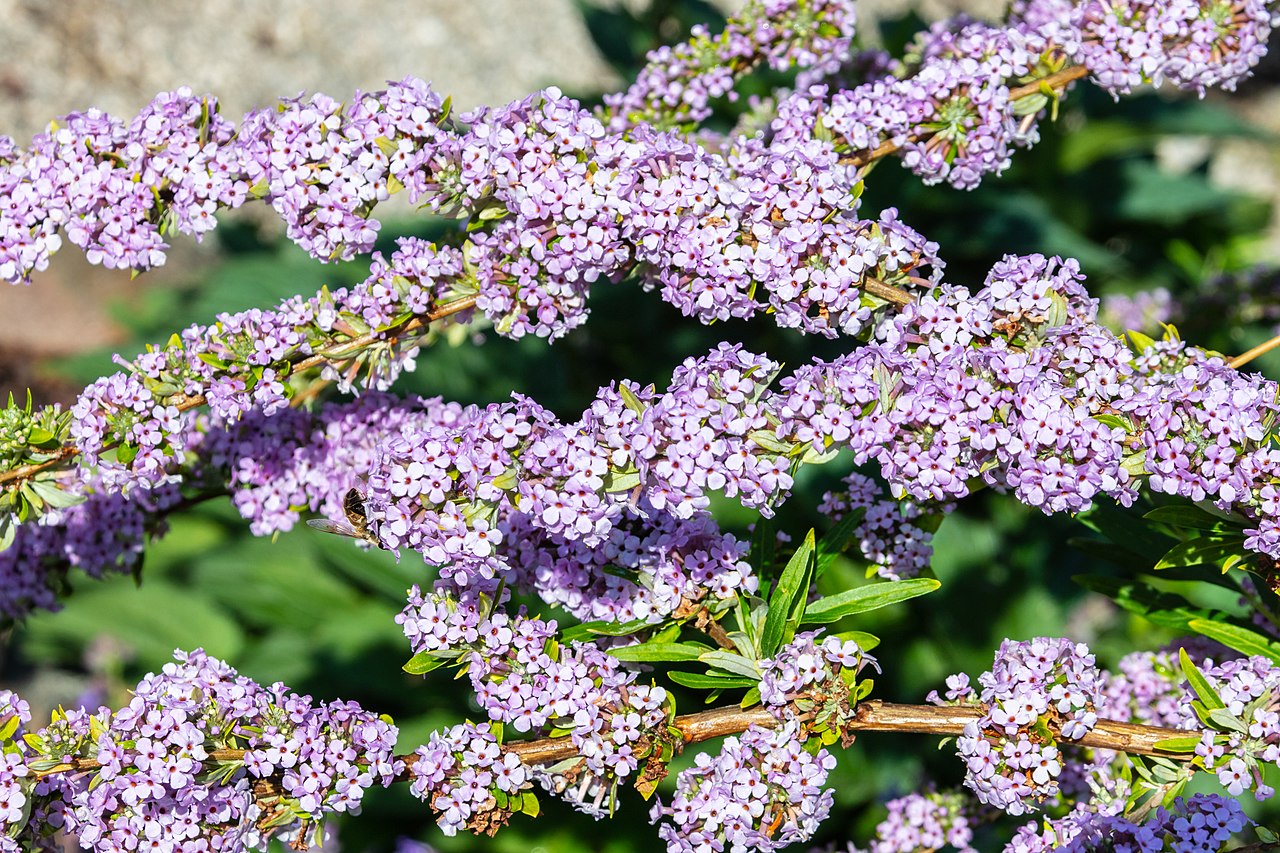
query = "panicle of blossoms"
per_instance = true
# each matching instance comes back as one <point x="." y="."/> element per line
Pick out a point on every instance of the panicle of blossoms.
<point x="948" y="111"/>
<point x="649" y="566"/>
<point x="1148" y="687"/>
<point x="1037" y="693"/>
<point x="763" y="791"/>
<point x="15" y="782"/>
<point x="678" y="82"/>
<point x="1203" y="823"/>
<point x="441" y="491"/>
<point x="324" y="164"/>
<point x="813" y="682"/>
<point x="114" y="189"/>
<point x="469" y="781"/>
<point x="103" y="533"/>
<point x="117" y="190"/>
<point x="523" y="679"/>
<point x="886" y="537"/>
<point x="157" y="779"/>
<point x="566" y="203"/>
<point x="929" y="820"/>
<point x="1193" y="44"/>
<point x="1015" y="384"/>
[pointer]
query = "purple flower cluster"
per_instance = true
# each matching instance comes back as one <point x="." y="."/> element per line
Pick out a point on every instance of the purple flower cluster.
<point x="468" y="780"/>
<point x="1016" y="385"/>
<point x="763" y="791"/>
<point x="811" y="680"/>
<point x="522" y="678"/>
<point x="325" y="165"/>
<point x="886" y="536"/>
<point x="440" y="491"/>
<point x="950" y="115"/>
<point x="16" y="783"/>
<point x="678" y="82"/>
<point x="1204" y="823"/>
<point x="1193" y="44"/>
<point x="116" y="189"/>
<point x="156" y="781"/>
<point x="1148" y="687"/>
<point x="924" y="821"/>
<point x="650" y="565"/>
<point x="104" y="533"/>
<point x="1036" y="692"/>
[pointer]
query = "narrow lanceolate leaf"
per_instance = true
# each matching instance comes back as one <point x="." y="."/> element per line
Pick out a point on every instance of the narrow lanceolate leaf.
<point x="790" y="593"/>
<point x="730" y="662"/>
<point x="1204" y="690"/>
<point x="656" y="652"/>
<point x="708" y="681"/>
<point x="603" y="629"/>
<point x="422" y="663"/>
<point x="1178" y="744"/>
<point x="1205" y="551"/>
<point x="865" y="598"/>
<point x="1241" y="639"/>
<point x="1193" y="517"/>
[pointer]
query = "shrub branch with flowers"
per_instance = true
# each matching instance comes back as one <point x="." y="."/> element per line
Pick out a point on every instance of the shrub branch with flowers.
<point x="943" y="388"/>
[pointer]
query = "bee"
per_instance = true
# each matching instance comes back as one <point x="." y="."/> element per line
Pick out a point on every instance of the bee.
<point x="357" y="524"/>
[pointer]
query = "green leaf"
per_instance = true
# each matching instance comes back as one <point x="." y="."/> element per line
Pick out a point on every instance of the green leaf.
<point x="529" y="804"/>
<point x="730" y="662"/>
<point x="1203" y="689"/>
<point x="629" y="399"/>
<point x="652" y="652"/>
<point x="603" y="629"/>
<point x="8" y="532"/>
<point x="790" y="593"/>
<point x="865" y="641"/>
<point x="10" y="726"/>
<point x="1241" y="639"/>
<point x="1193" y="517"/>
<point x="838" y="539"/>
<point x="1220" y="553"/>
<point x="769" y="441"/>
<point x="1178" y="744"/>
<point x="1126" y="530"/>
<point x="621" y="481"/>
<point x="422" y="663"/>
<point x="708" y="681"/>
<point x="54" y="496"/>
<point x="865" y="598"/>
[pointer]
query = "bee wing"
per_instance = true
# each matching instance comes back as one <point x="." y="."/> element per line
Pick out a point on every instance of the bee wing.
<point x="328" y="525"/>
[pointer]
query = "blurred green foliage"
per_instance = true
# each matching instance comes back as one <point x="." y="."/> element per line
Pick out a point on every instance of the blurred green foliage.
<point x="316" y="612"/>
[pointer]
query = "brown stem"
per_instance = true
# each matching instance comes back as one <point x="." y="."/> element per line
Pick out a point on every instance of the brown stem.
<point x="1055" y="81"/>
<point x="1246" y="357"/>
<point x="184" y="403"/>
<point x="886" y="291"/>
<point x="871" y="716"/>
